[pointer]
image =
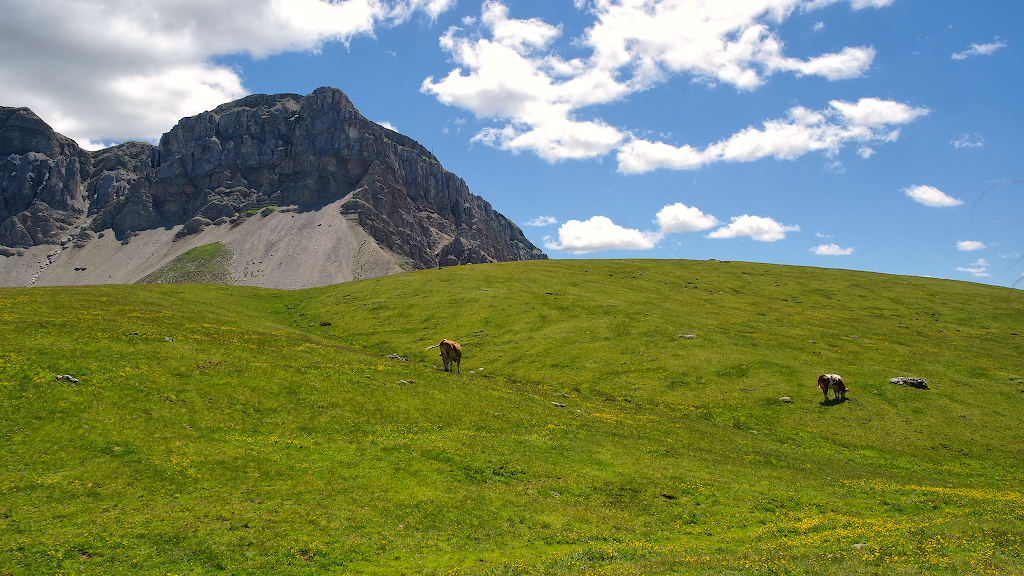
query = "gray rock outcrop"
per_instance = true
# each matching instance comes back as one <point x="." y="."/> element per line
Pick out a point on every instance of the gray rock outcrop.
<point x="227" y="164"/>
<point x="918" y="383"/>
<point x="41" y="180"/>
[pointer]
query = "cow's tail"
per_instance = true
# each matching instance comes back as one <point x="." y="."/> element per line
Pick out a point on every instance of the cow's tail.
<point x="429" y="347"/>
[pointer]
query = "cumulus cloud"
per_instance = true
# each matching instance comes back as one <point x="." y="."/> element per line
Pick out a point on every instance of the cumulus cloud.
<point x="508" y="71"/>
<point x="980" y="49"/>
<point x="600" y="233"/>
<point x="511" y="78"/>
<point x="867" y="120"/>
<point x="121" y="69"/>
<point x="831" y="250"/>
<point x="931" y="196"/>
<point x="542" y="221"/>
<point x="875" y="113"/>
<point x="970" y="245"/>
<point x="719" y="41"/>
<point x="757" y="227"/>
<point x="679" y="217"/>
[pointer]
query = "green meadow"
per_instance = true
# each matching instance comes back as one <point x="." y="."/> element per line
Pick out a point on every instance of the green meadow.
<point x="611" y="417"/>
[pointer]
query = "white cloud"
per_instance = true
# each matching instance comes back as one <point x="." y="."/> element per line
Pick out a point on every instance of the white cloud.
<point x="831" y="250"/>
<point x="388" y="125"/>
<point x="507" y="70"/>
<point x="836" y="167"/>
<point x="970" y="245"/>
<point x="977" y="269"/>
<point x="855" y="4"/>
<point x="679" y="217"/>
<point x="866" y="120"/>
<point x="542" y="221"/>
<point x="727" y="42"/>
<point x="860" y="4"/>
<point x="757" y="227"/>
<point x="931" y="196"/>
<point x="101" y="70"/>
<point x="404" y="9"/>
<point x="968" y="141"/>
<point x="555" y="140"/>
<point x="819" y="26"/>
<point x="865" y="152"/>
<point x="517" y="34"/>
<point x="600" y="233"/>
<point x="875" y="113"/>
<point x="820" y="235"/>
<point x="980" y="49"/>
<point x="511" y="79"/>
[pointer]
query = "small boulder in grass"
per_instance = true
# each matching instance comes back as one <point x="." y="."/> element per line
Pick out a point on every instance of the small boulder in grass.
<point x="918" y="383"/>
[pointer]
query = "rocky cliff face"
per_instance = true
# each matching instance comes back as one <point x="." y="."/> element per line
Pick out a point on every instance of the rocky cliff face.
<point x="221" y="166"/>
<point x="41" y="180"/>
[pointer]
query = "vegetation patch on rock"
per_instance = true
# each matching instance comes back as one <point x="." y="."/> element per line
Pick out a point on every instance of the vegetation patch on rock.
<point x="208" y="264"/>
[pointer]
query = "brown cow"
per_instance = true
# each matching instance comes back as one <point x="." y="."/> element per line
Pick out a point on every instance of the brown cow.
<point x="832" y="382"/>
<point x="450" y="352"/>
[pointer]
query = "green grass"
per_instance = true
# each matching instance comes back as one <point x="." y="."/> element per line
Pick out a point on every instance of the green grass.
<point x="207" y="264"/>
<point x="256" y="431"/>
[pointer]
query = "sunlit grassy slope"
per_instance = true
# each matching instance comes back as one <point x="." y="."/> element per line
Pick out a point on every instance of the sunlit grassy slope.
<point x="247" y="431"/>
<point x="208" y="264"/>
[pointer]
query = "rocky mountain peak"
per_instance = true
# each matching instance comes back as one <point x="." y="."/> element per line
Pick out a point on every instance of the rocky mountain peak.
<point x="22" y="132"/>
<point x="220" y="167"/>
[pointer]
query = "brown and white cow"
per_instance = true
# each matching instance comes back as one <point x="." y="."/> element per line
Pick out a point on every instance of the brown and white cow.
<point x="451" y="352"/>
<point x="832" y="382"/>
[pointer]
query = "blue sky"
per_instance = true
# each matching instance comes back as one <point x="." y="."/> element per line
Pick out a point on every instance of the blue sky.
<point x="881" y="135"/>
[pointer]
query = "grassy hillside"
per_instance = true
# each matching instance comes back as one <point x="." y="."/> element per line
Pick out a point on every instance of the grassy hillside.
<point x="208" y="264"/>
<point x="219" y="428"/>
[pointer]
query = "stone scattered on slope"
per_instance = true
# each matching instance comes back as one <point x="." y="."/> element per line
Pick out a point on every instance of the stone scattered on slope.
<point x="918" y="383"/>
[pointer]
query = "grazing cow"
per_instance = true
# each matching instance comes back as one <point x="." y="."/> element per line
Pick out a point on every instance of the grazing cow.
<point x="832" y="382"/>
<point x="450" y="352"/>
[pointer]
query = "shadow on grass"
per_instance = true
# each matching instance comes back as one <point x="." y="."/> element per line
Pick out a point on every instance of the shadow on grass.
<point x="832" y="402"/>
